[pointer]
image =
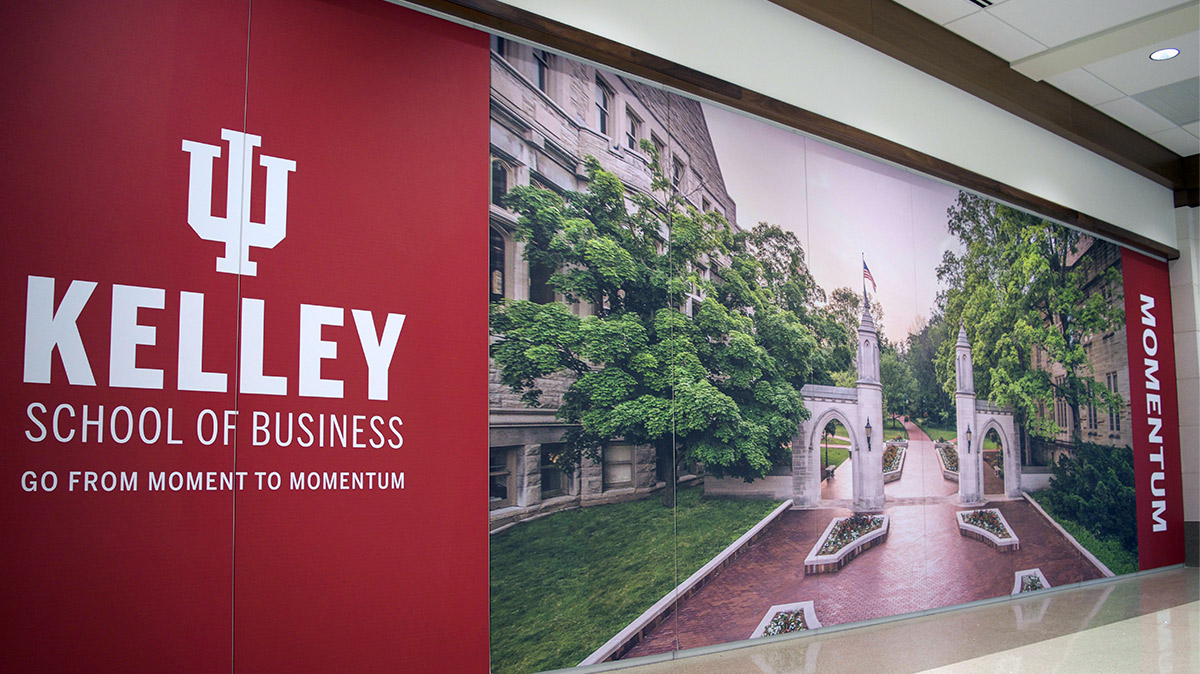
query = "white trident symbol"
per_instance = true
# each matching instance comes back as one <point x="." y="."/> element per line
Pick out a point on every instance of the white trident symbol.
<point x="235" y="229"/>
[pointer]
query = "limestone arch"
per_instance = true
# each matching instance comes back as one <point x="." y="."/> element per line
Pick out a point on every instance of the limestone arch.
<point x="806" y="460"/>
<point x="1002" y="423"/>
<point x="822" y="421"/>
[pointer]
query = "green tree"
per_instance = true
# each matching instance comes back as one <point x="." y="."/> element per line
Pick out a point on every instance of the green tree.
<point x="719" y="386"/>
<point x="844" y="309"/>
<point x="897" y="380"/>
<point x="929" y="400"/>
<point x="1019" y="293"/>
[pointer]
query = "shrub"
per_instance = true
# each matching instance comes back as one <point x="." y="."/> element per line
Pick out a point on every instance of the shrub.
<point x="1095" y="488"/>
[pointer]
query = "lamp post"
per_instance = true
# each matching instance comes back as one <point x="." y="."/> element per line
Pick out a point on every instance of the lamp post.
<point x="825" y="434"/>
<point x="968" y="439"/>
<point x="868" y="434"/>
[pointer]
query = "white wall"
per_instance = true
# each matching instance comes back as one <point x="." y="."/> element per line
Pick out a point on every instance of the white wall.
<point x="768" y="49"/>
<point x="1185" y="314"/>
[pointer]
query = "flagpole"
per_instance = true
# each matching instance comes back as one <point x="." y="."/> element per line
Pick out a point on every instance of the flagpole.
<point x="866" y="302"/>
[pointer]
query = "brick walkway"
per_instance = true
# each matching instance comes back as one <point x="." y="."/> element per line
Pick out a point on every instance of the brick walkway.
<point x="924" y="564"/>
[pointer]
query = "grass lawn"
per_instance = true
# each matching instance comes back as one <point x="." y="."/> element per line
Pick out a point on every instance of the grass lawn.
<point x="835" y="455"/>
<point x="935" y="432"/>
<point x="834" y="450"/>
<point x="563" y="585"/>
<point x="1110" y="552"/>
<point x="893" y="428"/>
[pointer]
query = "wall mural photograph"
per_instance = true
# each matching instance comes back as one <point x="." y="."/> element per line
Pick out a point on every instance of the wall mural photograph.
<point x="742" y="383"/>
<point x="745" y="383"/>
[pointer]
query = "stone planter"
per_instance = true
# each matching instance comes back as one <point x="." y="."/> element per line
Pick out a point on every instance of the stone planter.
<point x="1020" y="576"/>
<point x="804" y="607"/>
<point x="818" y="563"/>
<point x="971" y="531"/>
<point x="947" y="473"/>
<point x="902" y="451"/>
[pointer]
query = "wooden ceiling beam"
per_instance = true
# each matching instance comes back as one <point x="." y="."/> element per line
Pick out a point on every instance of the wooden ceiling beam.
<point x="910" y="38"/>
<point x="497" y="16"/>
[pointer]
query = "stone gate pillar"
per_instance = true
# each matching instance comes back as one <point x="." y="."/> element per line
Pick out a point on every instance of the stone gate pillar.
<point x="868" y="457"/>
<point x="970" y="459"/>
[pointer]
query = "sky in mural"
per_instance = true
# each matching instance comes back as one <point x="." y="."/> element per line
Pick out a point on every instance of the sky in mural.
<point x="843" y="207"/>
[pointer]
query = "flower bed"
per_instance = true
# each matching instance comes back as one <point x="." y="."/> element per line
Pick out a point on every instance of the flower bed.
<point x="848" y="529"/>
<point x="948" y="457"/>
<point x="844" y="539"/>
<point x="1029" y="580"/>
<point x="787" y="618"/>
<point x="989" y="526"/>
<point x="893" y="462"/>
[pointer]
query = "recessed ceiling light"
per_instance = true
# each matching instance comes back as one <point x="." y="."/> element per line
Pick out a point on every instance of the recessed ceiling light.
<point x="1164" y="54"/>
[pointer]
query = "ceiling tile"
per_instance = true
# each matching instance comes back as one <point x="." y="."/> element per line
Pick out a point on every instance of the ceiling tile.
<point x="995" y="36"/>
<point x="1178" y="141"/>
<point x="1193" y="128"/>
<point x="1085" y="86"/>
<point x="1178" y="101"/>
<point x="1134" y="72"/>
<point x="941" y="11"/>
<point x="1135" y="115"/>
<point x="1054" y="23"/>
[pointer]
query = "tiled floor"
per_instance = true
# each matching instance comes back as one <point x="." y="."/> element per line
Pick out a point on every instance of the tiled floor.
<point x="924" y="564"/>
<point x="1144" y="623"/>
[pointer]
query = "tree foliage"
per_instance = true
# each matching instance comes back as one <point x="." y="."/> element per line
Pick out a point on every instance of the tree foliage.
<point x="929" y="400"/>
<point x="899" y="390"/>
<point x="720" y="386"/>
<point x="1019" y="293"/>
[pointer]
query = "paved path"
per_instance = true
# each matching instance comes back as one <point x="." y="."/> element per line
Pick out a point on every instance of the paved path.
<point x="922" y="475"/>
<point x="992" y="483"/>
<point x="925" y="564"/>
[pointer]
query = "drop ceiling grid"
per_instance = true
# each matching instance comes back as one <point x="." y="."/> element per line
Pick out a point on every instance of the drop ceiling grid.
<point x="1014" y="29"/>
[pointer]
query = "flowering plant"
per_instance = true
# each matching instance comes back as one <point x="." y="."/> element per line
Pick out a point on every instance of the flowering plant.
<point x="949" y="456"/>
<point x="891" y="459"/>
<point x="989" y="521"/>
<point x="1031" y="582"/>
<point x="848" y="530"/>
<point x="785" y="622"/>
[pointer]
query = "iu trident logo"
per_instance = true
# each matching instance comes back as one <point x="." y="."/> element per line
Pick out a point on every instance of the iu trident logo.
<point x="236" y="230"/>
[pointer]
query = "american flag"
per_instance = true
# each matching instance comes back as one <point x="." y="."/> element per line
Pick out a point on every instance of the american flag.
<point x="867" y="276"/>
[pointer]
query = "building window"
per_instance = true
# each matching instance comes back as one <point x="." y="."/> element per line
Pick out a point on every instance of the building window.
<point x="604" y="97"/>
<point x="1114" y="414"/>
<point x="633" y="131"/>
<point x="537" y="182"/>
<point x="705" y="206"/>
<point x="1093" y="422"/>
<point x="618" y="466"/>
<point x="659" y="146"/>
<point x="500" y="46"/>
<point x="539" y="284"/>
<point x="554" y="480"/>
<point x="676" y="172"/>
<point x="541" y="59"/>
<point x="496" y="265"/>
<point x="501" y="489"/>
<point x="499" y="181"/>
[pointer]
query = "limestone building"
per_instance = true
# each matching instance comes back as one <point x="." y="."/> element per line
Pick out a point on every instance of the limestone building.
<point x="1107" y="357"/>
<point x="547" y="114"/>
